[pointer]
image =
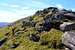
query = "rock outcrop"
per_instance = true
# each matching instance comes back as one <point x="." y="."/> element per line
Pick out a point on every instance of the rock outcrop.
<point x="68" y="38"/>
<point x="41" y="31"/>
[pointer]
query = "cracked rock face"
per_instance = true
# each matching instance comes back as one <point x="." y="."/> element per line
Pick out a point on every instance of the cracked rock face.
<point x="68" y="39"/>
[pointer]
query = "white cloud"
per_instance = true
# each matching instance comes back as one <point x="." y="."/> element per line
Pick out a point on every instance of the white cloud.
<point x="7" y="16"/>
<point x="15" y="5"/>
<point x="59" y="6"/>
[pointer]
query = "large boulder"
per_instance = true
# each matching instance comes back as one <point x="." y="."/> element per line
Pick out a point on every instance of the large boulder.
<point x="53" y="21"/>
<point x="45" y="26"/>
<point x="67" y="26"/>
<point x="68" y="39"/>
<point x="54" y="18"/>
<point x="49" y="22"/>
<point x="70" y="16"/>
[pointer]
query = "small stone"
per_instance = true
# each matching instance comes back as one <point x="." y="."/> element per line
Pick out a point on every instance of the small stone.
<point x="17" y="33"/>
<point x="14" y="45"/>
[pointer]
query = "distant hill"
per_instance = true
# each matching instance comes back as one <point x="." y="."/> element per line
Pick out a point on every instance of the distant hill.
<point x="3" y="24"/>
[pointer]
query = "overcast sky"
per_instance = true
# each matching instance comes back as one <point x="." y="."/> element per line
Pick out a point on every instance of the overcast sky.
<point x="12" y="10"/>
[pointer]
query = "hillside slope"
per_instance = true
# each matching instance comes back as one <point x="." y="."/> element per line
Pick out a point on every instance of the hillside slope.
<point x="38" y="32"/>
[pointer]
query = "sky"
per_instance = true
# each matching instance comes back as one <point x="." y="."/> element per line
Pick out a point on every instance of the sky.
<point x="12" y="10"/>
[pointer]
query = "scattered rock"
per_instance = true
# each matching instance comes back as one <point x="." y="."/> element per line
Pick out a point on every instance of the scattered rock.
<point x="40" y="29"/>
<point x="17" y="33"/>
<point x="14" y="45"/>
<point x="28" y="23"/>
<point x="34" y="37"/>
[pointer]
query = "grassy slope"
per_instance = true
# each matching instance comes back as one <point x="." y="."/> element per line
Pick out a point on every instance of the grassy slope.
<point x="25" y="43"/>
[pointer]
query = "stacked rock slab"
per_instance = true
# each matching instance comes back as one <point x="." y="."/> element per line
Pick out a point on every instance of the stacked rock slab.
<point x="68" y="38"/>
<point x="67" y="26"/>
